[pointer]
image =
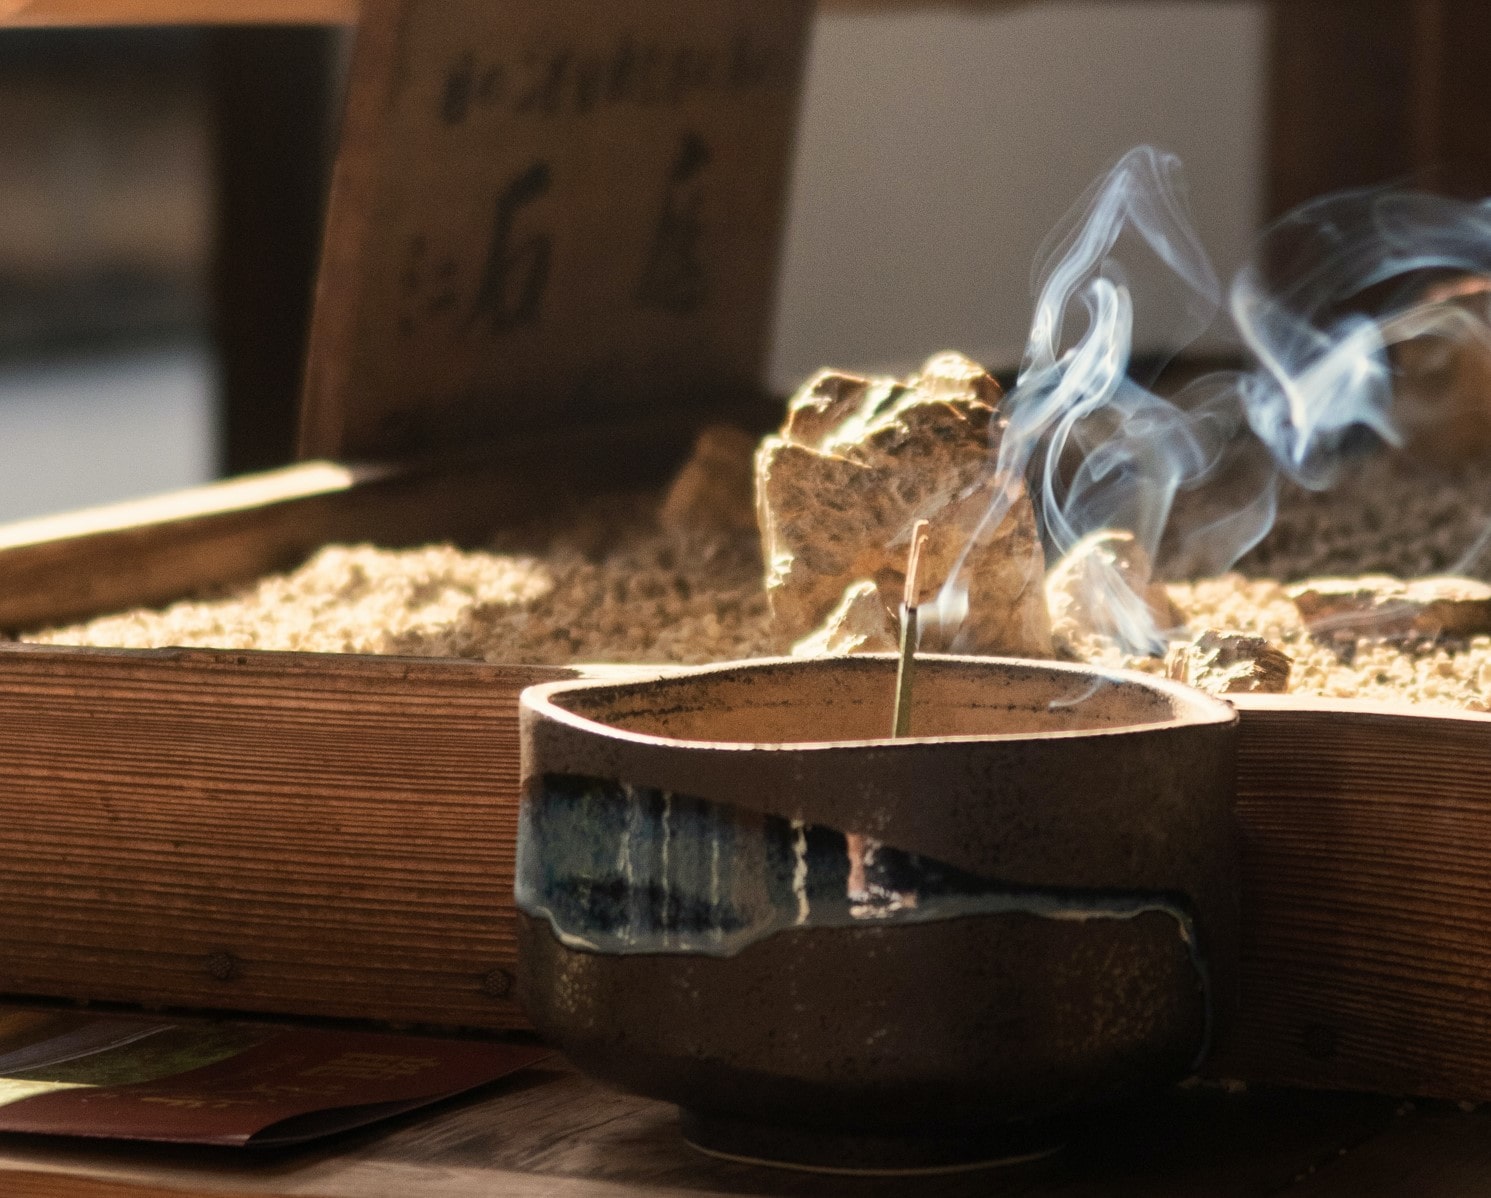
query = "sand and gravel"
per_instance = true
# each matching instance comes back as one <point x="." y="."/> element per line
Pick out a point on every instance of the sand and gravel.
<point x="608" y="585"/>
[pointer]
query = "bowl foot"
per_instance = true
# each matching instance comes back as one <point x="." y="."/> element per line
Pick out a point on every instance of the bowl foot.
<point x="818" y="1151"/>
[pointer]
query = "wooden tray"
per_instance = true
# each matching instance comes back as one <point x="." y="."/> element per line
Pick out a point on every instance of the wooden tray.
<point x="332" y="835"/>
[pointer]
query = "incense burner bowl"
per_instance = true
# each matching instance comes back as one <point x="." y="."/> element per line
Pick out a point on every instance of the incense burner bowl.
<point x="838" y="949"/>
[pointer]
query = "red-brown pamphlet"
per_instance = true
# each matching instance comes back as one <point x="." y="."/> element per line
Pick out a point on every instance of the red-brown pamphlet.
<point x="190" y="1081"/>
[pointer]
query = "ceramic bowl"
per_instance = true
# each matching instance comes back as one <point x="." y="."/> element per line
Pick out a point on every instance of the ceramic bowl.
<point x="737" y="893"/>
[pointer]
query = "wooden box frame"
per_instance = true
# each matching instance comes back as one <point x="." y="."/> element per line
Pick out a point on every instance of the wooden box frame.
<point x="329" y="835"/>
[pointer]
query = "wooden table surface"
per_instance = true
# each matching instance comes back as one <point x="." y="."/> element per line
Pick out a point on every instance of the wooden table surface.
<point x="551" y="1132"/>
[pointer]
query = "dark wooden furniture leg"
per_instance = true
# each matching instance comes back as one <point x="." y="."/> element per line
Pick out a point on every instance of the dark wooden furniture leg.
<point x="1370" y="92"/>
<point x="273" y="102"/>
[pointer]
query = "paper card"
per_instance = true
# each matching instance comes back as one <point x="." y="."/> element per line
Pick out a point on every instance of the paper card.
<point x="197" y="1082"/>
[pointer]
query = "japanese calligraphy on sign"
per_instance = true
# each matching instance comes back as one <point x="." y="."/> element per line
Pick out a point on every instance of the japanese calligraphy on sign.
<point x="550" y="212"/>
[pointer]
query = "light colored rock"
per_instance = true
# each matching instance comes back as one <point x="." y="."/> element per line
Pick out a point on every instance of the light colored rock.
<point x="714" y="490"/>
<point x="1378" y="605"/>
<point x="860" y="624"/>
<point x="857" y="463"/>
<point x="1102" y="587"/>
<point x="1230" y="663"/>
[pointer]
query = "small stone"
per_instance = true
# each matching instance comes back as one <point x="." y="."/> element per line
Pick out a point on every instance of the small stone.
<point x="860" y="624"/>
<point x="1377" y="605"/>
<point x="857" y="463"/>
<point x="1102" y="587"/>
<point x="714" y="491"/>
<point x="1229" y="663"/>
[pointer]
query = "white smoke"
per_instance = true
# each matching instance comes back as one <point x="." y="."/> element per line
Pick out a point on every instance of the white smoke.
<point x="1099" y="450"/>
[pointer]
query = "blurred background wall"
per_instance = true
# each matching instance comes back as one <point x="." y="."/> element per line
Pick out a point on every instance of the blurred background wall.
<point x="106" y="199"/>
<point x="936" y="152"/>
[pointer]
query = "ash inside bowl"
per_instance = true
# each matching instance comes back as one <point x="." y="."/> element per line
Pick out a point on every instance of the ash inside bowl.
<point x="824" y="701"/>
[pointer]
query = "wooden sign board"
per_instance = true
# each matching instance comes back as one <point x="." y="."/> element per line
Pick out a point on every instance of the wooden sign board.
<point x="550" y="212"/>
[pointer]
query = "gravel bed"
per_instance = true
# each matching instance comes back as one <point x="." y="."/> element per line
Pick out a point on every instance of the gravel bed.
<point x="605" y="585"/>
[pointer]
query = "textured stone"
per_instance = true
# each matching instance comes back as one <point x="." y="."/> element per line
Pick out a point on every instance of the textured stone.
<point x="1080" y="591"/>
<point x="857" y="463"/>
<point x="714" y="491"/>
<point x="1378" y="605"/>
<point x="860" y="624"/>
<point x="1230" y="663"/>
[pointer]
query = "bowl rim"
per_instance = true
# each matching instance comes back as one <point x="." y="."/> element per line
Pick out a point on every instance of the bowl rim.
<point x="1194" y="708"/>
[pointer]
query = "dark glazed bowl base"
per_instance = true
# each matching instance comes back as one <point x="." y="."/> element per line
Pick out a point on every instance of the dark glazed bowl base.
<point x="815" y="1150"/>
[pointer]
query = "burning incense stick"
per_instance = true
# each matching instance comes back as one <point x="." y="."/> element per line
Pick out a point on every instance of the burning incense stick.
<point x="906" y="670"/>
<point x="868" y="900"/>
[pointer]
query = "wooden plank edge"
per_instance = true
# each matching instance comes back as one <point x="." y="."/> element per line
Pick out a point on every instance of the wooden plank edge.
<point x="1354" y="708"/>
<point x="177" y="12"/>
<point x="130" y="1177"/>
<point x="152" y="552"/>
<point x="291" y="664"/>
<point x="42" y="13"/>
<point x="34" y="1184"/>
<point x="306" y="480"/>
<point x="142" y="552"/>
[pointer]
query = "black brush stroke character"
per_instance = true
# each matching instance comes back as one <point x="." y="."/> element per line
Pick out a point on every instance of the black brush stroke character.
<point x="516" y="272"/>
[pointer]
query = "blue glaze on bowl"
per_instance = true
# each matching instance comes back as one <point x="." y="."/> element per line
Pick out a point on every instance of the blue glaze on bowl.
<point x="620" y="869"/>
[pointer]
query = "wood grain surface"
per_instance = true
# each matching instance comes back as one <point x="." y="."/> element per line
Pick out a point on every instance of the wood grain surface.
<point x="332" y="835"/>
<point x="310" y="834"/>
<point x="553" y="1133"/>
<point x="1436" y="1151"/>
<point x="27" y="1184"/>
<point x="551" y="212"/>
<point x="1367" y="897"/>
